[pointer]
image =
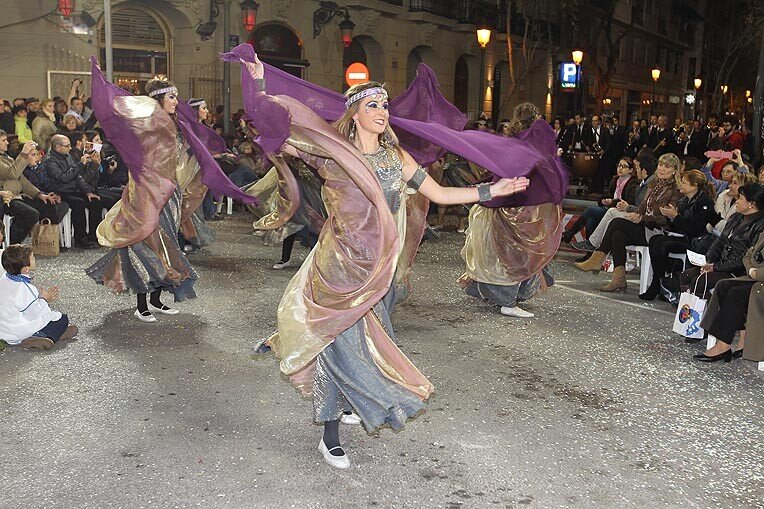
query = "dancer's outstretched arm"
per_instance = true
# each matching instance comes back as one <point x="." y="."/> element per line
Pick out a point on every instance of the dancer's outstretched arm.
<point x="456" y="195"/>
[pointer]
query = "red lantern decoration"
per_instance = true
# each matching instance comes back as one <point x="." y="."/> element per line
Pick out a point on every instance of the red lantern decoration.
<point x="346" y="29"/>
<point x="249" y="14"/>
<point x="66" y="7"/>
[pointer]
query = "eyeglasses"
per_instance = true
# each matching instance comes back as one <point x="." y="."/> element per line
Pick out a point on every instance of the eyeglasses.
<point x="624" y="166"/>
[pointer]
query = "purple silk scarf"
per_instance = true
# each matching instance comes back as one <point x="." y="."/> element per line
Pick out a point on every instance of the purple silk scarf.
<point x="196" y="135"/>
<point x="426" y="124"/>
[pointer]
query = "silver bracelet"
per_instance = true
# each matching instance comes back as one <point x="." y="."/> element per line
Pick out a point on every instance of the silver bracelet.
<point x="260" y="85"/>
<point x="416" y="180"/>
<point x="484" y="192"/>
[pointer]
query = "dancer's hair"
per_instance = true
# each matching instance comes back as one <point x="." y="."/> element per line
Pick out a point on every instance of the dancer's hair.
<point x="345" y="123"/>
<point x="523" y="116"/>
<point x="157" y="84"/>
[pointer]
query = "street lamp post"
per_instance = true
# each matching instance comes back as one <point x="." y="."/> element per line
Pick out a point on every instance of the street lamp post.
<point x="698" y="82"/>
<point x="656" y="74"/>
<point x="578" y="57"/>
<point x="483" y="38"/>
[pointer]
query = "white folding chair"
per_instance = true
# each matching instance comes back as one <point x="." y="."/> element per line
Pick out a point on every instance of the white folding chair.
<point x="65" y="229"/>
<point x="7" y="230"/>
<point x="645" y="267"/>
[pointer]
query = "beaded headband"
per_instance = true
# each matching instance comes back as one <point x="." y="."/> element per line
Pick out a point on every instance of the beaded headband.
<point x="365" y="93"/>
<point x="166" y="90"/>
<point x="194" y="104"/>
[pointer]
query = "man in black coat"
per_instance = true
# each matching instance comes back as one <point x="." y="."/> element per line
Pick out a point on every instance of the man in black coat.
<point x="65" y="177"/>
<point x="599" y="140"/>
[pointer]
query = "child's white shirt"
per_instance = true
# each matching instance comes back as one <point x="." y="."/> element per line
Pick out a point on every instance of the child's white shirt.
<point x="22" y="311"/>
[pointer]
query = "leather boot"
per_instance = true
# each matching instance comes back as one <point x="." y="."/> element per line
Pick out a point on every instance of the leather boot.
<point x="593" y="264"/>
<point x="618" y="283"/>
<point x="653" y="291"/>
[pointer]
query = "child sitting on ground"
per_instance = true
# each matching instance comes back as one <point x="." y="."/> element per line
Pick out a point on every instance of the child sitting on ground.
<point x="25" y="316"/>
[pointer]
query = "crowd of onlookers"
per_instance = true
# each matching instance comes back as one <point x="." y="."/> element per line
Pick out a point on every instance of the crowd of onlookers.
<point x="673" y="190"/>
<point x="55" y="161"/>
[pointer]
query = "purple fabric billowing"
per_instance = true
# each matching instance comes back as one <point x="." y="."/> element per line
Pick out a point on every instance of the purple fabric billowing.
<point x="427" y="125"/>
<point x="102" y="99"/>
<point x="124" y="140"/>
<point x="207" y="136"/>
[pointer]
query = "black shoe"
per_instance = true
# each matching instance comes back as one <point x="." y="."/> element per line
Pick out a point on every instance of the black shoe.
<point x="567" y="236"/>
<point x="737" y="354"/>
<point x="652" y="291"/>
<point x="725" y="356"/>
<point x="84" y="243"/>
<point x="692" y="341"/>
<point x="216" y="217"/>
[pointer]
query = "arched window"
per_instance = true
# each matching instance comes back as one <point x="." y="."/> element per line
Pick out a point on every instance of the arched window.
<point x="416" y="56"/>
<point x="279" y="46"/>
<point x="461" y="84"/>
<point x="141" y="47"/>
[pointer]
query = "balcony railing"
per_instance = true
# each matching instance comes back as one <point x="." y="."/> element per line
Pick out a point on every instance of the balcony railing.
<point x="443" y="8"/>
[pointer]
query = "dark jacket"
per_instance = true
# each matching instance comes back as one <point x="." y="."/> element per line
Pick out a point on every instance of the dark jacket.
<point x="37" y="176"/>
<point x="64" y="175"/>
<point x="694" y="214"/>
<point x="726" y="253"/>
<point x="629" y="193"/>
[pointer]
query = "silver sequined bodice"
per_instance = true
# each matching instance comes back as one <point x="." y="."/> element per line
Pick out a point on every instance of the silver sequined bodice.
<point x="389" y="169"/>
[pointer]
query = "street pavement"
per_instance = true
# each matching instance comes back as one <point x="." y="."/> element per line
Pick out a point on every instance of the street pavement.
<point x="593" y="403"/>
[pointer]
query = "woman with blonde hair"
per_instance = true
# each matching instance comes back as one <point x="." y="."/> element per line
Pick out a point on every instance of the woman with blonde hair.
<point x="638" y="227"/>
<point x="335" y="338"/>
<point x="44" y="124"/>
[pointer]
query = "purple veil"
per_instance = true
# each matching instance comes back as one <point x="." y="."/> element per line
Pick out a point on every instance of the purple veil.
<point x="200" y="139"/>
<point x="427" y="126"/>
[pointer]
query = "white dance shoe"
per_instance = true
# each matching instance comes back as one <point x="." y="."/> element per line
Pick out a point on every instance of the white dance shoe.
<point x="341" y="462"/>
<point x="281" y="265"/>
<point x="351" y="419"/>
<point x="516" y="311"/>
<point x="163" y="310"/>
<point x="145" y="318"/>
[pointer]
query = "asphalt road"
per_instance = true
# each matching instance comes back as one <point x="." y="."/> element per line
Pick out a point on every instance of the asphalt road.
<point x="594" y="403"/>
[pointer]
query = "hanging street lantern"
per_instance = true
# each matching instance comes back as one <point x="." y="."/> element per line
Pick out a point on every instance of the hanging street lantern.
<point x="66" y="7"/>
<point x="346" y="29"/>
<point x="249" y="14"/>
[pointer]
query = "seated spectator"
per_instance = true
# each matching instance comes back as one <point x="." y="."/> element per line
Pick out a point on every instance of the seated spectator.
<point x="33" y="109"/>
<point x="727" y="311"/>
<point x="60" y="109"/>
<point x="77" y="139"/>
<point x="22" y="128"/>
<point x="761" y="175"/>
<point x="44" y="125"/>
<point x="687" y="221"/>
<point x="728" y="170"/>
<point x="6" y="117"/>
<point x="725" y="201"/>
<point x="115" y="173"/>
<point x="68" y="125"/>
<point x="94" y="171"/>
<point x="27" y="204"/>
<point x="623" y="185"/>
<point x="65" y="176"/>
<point x="638" y="227"/>
<point x="251" y="158"/>
<point x="725" y="256"/>
<point x="644" y="169"/>
<point x="25" y="315"/>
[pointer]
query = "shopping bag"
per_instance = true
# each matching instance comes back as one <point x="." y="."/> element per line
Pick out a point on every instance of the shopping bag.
<point x="690" y="312"/>
<point x="45" y="237"/>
